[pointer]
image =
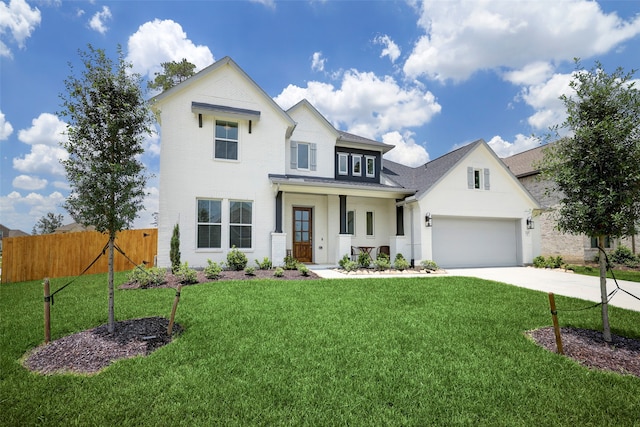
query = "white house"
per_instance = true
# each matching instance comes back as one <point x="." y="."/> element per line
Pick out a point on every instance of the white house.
<point x="238" y="171"/>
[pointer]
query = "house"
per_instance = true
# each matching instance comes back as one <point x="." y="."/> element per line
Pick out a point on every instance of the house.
<point x="73" y="227"/>
<point x="236" y="170"/>
<point x="551" y="242"/>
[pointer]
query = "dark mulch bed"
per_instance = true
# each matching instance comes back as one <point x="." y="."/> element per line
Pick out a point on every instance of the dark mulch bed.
<point x="90" y="351"/>
<point x="173" y="282"/>
<point x="589" y="348"/>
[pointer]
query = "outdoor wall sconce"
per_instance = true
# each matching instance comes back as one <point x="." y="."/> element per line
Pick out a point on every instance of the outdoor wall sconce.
<point x="427" y="220"/>
<point x="530" y="224"/>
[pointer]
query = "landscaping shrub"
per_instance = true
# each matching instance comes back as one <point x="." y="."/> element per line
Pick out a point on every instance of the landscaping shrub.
<point x="265" y="264"/>
<point x="382" y="262"/>
<point x="429" y="265"/>
<point x="146" y="277"/>
<point x="344" y="260"/>
<point x="400" y="262"/>
<point x="185" y="274"/>
<point x="212" y="270"/>
<point x="623" y="256"/>
<point x="303" y="269"/>
<point x="174" y="251"/>
<point x="249" y="270"/>
<point x="350" y="265"/>
<point x="290" y="263"/>
<point x="364" y="259"/>
<point x="548" y="262"/>
<point x="236" y="260"/>
<point x="279" y="272"/>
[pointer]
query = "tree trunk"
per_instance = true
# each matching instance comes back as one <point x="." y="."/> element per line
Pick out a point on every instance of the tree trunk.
<point x="112" y="319"/>
<point x="606" y="330"/>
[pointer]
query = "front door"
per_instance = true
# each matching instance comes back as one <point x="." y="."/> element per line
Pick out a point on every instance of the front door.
<point x="302" y="234"/>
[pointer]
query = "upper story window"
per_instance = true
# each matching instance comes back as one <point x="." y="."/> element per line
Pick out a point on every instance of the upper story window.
<point x="370" y="166"/>
<point x="478" y="178"/>
<point x="343" y="164"/>
<point x="356" y="170"/>
<point x="303" y="156"/>
<point x="226" y="141"/>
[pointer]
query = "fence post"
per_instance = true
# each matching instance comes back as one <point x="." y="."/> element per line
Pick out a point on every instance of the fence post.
<point x="556" y="327"/>
<point x="173" y="310"/>
<point x="47" y="311"/>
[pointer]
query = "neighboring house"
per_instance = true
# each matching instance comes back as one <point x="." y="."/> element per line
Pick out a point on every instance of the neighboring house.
<point x="74" y="227"/>
<point x="7" y="232"/>
<point x="551" y="242"/>
<point x="237" y="170"/>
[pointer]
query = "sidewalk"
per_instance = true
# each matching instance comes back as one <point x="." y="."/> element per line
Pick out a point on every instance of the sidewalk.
<point x="556" y="281"/>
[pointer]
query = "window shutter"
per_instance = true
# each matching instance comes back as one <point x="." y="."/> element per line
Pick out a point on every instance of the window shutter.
<point x="312" y="154"/>
<point x="486" y="179"/>
<point x="294" y="155"/>
<point x="470" y="183"/>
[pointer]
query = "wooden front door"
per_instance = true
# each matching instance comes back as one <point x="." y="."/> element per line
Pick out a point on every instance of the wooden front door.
<point x="302" y="234"/>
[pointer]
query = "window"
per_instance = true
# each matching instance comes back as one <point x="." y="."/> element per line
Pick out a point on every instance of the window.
<point x="226" y="141"/>
<point x="343" y="164"/>
<point x="351" y="222"/>
<point x="371" y="167"/>
<point x="303" y="156"/>
<point x="209" y="223"/>
<point x="369" y="223"/>
<point x="594" y="242"/>
<point x="478" y="178"/>
<point x="357" y="165"/>
<point x="240" y="220"/>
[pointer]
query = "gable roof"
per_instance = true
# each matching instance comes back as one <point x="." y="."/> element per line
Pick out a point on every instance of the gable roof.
<point x="426" y="176"/>
<point x="522" y="164"/>
<point x="211" y="69"/>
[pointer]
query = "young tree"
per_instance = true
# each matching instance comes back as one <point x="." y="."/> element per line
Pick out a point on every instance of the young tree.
<point x="597" y="169"/>
<point x="48" y="223"/>
<point x="108" y="119"/>
<point x="174" y="250"/>
<point x="173" y="73"/>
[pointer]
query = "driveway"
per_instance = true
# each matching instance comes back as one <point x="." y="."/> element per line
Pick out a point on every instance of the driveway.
<point x="558" y="282"/>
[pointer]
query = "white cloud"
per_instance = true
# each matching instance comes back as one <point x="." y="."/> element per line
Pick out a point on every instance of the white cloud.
<point x="18" y="20"/>
<point x="391" y="49"/>
<point x="544" y="99"/>
<point x="406" y="151"/>
<point x="98" y="21"/>
<point x="534" y="73"/>
<point x="366" y="104"/>
<point x="43" y="159"/>
<point x="317" y="62"/>
<point x="26" y="182"/>
<point x="159" y="41"/>
<point x="5" y="127"/>
<point x="462" y="37"/>
<point x="268" y="3"/>
<point x="505" y="148"/>
<point x="22" y="212"/>
<point x="47" y="129"/>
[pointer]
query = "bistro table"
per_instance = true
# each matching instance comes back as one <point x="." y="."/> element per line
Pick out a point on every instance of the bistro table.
<point x="367" y="250"/>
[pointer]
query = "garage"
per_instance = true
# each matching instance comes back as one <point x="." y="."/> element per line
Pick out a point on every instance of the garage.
<point x="475" y="242"/>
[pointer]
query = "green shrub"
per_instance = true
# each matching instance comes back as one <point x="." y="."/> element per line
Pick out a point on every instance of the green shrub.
<point x="303" y="269"/>
<point x="146" y="277"/>
<point x="623" y="256"/>
<point x="236" y="260"/>
<point x="185" y="274"/>
<point x="343" y="261"/>
<point x="249" y="270"/>
<point x="265" y="264"/>
<point x="290" y="263"/>
<point x="539" y="262"/>
<point x="212" y="270"/>
<point x="279" y="272"/>
<point x="548" y="262"/>
<point x="174" y="251"/>
<point x="429" y="265"/>
<point x="401" y="264"/>
<point x="382" y="262"/>
<point x="364" y="259"/>
<point x="350" y="265"/>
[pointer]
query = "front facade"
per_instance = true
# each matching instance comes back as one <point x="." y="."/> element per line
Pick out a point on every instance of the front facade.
<point x="238" y="171"/>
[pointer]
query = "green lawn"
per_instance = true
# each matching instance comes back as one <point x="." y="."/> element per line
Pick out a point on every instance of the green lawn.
<point x="411" y="351"/>
<point x="630" y="275"/>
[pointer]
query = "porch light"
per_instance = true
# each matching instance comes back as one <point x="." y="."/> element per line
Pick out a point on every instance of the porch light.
<point x="427" y="220"/>
<point x="530" y="224"/>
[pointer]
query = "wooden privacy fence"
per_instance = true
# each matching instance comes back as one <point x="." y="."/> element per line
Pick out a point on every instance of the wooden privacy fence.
<point x="59" y="255"/>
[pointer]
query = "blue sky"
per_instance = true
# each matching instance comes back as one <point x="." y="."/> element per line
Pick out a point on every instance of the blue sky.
<point x="426" y="76"/>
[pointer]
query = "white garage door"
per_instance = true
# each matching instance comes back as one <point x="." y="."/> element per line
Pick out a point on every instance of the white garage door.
<point x="474" y="242"/>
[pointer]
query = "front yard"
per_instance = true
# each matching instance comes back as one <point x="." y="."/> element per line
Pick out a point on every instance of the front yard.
<point x="409" y="351"/>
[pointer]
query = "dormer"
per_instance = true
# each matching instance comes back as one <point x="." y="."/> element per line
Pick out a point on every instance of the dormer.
<point x="358" y="159"/>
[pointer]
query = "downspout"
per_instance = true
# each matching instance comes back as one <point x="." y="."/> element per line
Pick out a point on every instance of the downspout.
<point x="412" y="237"/>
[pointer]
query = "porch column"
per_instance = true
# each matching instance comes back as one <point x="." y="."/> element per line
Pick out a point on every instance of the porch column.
<point x="279" y="212"/>
<point x="343" y="214"/>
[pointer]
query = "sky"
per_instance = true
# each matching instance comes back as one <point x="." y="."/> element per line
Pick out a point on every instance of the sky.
<point x="426" y="76"/>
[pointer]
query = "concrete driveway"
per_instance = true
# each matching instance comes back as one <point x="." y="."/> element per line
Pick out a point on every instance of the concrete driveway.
<point x="558" y="282"/>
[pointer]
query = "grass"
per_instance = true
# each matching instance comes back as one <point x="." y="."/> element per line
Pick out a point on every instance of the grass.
<point x="397" y="351"/>
<point x="630" y="275"/>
